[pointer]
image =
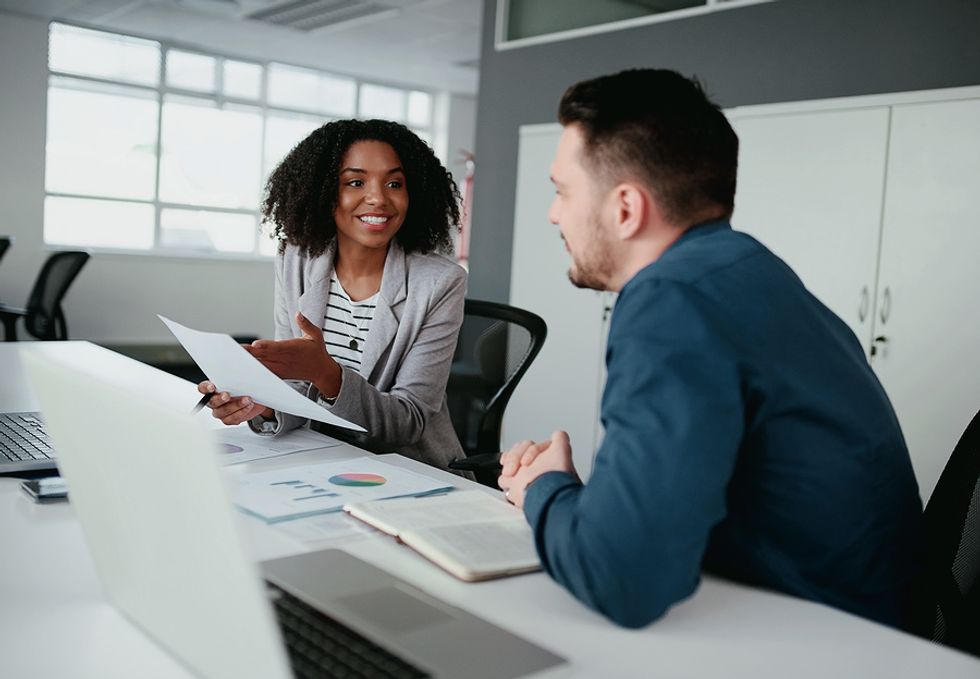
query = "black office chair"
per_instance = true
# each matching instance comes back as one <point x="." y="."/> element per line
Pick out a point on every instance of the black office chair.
<point x="951" y="599"/>
<point x="44" y="317"/>
<point x="5" y="242"/>
<point x="496" y="345"/>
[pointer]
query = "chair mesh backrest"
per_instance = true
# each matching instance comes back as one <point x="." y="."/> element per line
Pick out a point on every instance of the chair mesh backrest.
<point x="44" y="302"/>
<point x="496" y="345"/>
<point x="953" y="524"/>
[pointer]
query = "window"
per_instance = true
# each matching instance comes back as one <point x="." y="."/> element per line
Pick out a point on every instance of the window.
<point x="157" y="148"/>
<point x="523" y="22"/>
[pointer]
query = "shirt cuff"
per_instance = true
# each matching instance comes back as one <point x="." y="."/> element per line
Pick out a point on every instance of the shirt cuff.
<point x="262" y="425"/>
<point x="542" y="491"/>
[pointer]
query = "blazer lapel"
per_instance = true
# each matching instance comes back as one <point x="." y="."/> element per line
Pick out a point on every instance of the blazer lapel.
<point x="385" y="323"/>
<point x="313" y="302"/>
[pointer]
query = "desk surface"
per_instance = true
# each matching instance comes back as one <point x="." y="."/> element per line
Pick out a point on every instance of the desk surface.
<point x="55" y="620"/>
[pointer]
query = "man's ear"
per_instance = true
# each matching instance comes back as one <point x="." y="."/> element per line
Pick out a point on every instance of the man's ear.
<point x="632" y="210"/>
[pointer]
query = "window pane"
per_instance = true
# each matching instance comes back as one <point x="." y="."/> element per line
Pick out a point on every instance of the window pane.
<point x="242" y="79"/>
<point x="207" y="231"/>
<point x="419" y="108"/>
<point x="282" y="133"/>
<point x="190" y="71"/>
<point x="303" y="88"/>
<point x="210" y="156"/>
<point x="99" y="223"/>
<point x="103" y="55"/>
<point x="382" y="102"/>
<point x="101" y="140"/>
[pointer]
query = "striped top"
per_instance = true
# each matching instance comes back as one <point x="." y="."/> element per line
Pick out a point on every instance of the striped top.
<point x="346" y="325"/>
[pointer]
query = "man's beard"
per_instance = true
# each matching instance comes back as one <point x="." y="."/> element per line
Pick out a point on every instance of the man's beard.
<point x="595" y="272"/>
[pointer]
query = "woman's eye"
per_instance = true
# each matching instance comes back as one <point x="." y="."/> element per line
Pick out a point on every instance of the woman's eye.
<point x="355" y="183"/>
<point x="395" y="184"/>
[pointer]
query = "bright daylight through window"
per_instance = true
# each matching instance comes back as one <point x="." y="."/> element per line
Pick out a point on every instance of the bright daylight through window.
<point x="159" y="149"/>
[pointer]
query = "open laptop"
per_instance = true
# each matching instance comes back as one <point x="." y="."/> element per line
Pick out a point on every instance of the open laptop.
<point x="146" y="486"/>
<point x="24" y="444"/>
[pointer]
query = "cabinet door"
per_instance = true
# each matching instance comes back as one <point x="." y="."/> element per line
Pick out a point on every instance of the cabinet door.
<point x="561" y="388"/>
<point x="928" y="310"/>
<point x="810" y="188"/>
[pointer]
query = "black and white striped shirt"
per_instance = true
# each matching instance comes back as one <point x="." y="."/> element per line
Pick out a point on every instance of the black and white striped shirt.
<point x="346" y="325"/>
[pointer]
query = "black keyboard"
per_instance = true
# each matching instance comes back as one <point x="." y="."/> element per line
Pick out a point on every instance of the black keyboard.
<point x="320" y="647"/>
<point x="22" y="438"/>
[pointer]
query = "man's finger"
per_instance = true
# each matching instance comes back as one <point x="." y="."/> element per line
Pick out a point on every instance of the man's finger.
<point x="532" y="452"/>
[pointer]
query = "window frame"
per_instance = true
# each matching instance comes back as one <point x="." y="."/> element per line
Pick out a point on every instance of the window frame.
<point x="502" y="15"/>
<point x="219" y="100"/>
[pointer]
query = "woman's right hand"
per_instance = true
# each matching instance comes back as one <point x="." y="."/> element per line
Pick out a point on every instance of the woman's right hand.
<point x="230" y="409"/>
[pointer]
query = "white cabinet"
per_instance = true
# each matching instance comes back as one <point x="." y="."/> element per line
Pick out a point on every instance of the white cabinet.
<point x="928" y="283"/>
<point x="869" y="199"/>
<point x="810" y="187"/>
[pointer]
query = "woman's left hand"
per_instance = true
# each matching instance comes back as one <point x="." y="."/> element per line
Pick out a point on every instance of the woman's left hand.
<point x="301" y="358"/>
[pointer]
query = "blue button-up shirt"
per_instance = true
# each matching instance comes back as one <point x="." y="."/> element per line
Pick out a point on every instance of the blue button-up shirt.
<point x="746" y="433"/>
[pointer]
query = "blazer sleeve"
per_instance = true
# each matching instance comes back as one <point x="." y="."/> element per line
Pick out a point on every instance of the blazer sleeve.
<point x="397" y="418"/>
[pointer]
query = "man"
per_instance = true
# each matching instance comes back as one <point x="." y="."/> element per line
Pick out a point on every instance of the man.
<point x="745" y="432"/>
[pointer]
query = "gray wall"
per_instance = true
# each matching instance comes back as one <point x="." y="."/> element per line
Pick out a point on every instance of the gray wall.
<point x="787" y="50"/>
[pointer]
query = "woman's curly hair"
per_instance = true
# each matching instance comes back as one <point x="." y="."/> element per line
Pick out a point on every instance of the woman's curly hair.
<point x="301" y="193"/>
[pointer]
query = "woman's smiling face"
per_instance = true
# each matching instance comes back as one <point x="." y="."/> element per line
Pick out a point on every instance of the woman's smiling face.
<point x="372" y="199"/>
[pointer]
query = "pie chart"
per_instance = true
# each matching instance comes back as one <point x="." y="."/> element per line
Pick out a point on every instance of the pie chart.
<point x="355" y="479"/>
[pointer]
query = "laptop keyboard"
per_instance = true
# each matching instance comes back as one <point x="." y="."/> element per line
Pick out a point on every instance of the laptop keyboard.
<point x="22" y="438"/>
<point x="320" y="646"/>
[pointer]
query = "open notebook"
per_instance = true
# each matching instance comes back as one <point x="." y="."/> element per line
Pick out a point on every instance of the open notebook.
<point x="469" y="533"/>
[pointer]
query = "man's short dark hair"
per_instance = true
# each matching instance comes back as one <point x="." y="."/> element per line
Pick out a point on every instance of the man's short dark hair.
<point x="657" y="127"/>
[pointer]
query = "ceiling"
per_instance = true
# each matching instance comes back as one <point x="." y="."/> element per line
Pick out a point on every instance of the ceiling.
<point x="433" y="44"/>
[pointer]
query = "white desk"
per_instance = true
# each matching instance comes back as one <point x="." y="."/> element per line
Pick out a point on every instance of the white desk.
<point x="55" y="622"/>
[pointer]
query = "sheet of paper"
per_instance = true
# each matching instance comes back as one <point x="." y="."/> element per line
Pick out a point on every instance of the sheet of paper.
<point x="241" y="444"/>
<point x="285" y="494"/>
<point x="234" y="370"/>
<point x="324" y="529"/>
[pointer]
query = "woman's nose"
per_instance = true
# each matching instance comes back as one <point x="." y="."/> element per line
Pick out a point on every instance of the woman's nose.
<point x="374" y="195"/>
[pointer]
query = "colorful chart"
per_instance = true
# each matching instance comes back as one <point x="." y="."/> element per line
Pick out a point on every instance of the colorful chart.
<point x="354" y="479"/>
<point x="231" y="448"/>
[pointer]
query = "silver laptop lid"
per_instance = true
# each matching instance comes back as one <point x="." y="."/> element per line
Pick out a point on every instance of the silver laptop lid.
<point x="147" y="490"/>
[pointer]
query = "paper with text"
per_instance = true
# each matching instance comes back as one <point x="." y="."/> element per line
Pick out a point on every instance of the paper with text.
<point x="297" y="492"/>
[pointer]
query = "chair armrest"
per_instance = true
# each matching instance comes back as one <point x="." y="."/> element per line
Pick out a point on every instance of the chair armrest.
<point x="7" y="310"/>
<point x="484" y="462"/>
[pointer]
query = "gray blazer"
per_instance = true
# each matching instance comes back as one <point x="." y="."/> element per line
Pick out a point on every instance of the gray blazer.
<point x="399" y="395"/>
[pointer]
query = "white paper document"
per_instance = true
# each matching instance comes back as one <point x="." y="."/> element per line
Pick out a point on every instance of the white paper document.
<point x="285" y="494"/>
<point x="241" y="444"/>
<point x="234" y="370"/>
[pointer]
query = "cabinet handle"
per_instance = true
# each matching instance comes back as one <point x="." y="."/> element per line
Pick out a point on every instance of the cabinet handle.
<point x="863" y="304"/>
<point x="886" y="305"/>
<point x="879" y="340"/>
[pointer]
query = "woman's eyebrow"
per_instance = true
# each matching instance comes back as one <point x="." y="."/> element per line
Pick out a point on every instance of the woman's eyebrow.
<point x="359" y="170"/>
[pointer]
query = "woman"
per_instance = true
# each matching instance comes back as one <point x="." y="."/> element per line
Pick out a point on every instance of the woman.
<point x="367" y="312"/>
